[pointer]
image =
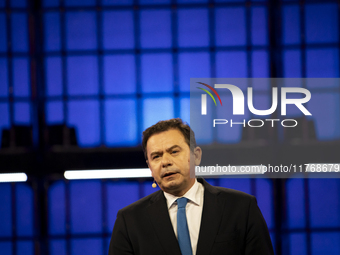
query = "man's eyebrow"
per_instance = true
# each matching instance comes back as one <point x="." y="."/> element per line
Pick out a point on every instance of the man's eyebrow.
<point x="173" y="147"/>
<point x="169" y="149"/>
<point x="155" y="153"/>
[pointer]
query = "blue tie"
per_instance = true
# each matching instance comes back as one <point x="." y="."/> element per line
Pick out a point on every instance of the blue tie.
<point x="182" y="227"/>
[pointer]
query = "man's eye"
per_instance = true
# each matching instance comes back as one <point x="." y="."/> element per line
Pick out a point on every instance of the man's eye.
<point x="174" y="152"/>
<point x="155" y="157"/>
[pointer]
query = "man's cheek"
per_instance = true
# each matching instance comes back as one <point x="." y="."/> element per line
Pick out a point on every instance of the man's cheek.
<point x="153" y="172"/>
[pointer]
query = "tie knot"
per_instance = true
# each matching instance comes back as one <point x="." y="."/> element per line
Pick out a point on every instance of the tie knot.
<point x="182" y="202"/>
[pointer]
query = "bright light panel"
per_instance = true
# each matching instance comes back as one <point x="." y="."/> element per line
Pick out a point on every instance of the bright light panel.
<point x="13" y="177"/>
<point x="107" y="174"/>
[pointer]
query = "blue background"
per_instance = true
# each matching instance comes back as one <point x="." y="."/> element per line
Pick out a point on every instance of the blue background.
<point x="112" y="68"/>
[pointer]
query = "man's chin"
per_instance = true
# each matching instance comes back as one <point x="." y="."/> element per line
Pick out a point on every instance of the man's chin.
<point x="171" y="185"/>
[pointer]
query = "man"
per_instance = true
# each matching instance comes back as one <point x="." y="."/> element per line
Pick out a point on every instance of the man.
<point x="187" y="216"/>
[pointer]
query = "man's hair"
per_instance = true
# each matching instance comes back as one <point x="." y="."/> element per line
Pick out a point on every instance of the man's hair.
<point x="166" y="125"/>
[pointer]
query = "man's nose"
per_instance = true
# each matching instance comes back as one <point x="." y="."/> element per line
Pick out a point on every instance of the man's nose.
<point x="166" y="160"/>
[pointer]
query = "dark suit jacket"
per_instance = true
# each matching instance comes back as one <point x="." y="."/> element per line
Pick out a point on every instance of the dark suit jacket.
<point x="231" y="224"/>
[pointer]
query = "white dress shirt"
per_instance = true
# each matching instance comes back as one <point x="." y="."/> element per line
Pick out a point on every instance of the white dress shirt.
<point x="193" y="210"/>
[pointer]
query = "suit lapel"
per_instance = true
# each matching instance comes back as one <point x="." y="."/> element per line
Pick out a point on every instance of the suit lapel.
<point x="211" y="218"/>
<point x="159" y="216"/>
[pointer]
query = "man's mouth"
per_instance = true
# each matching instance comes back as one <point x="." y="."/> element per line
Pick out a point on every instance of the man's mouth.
<point x="168" y="174"/>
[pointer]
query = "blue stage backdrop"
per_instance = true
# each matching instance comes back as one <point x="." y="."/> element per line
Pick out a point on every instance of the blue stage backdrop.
<point x="111" y="68"/>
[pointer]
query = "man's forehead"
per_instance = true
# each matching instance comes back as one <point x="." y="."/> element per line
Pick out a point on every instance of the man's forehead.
<point x="167" y="138"/>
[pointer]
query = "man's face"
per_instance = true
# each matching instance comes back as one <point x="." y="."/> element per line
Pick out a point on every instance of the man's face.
<point x="169" y="161"/>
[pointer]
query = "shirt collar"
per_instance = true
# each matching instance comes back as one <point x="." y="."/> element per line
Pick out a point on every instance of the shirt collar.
<point x="192" y="194"/>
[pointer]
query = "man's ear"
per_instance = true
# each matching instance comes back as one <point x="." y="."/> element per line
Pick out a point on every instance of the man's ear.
<point x="198" y="155"/>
